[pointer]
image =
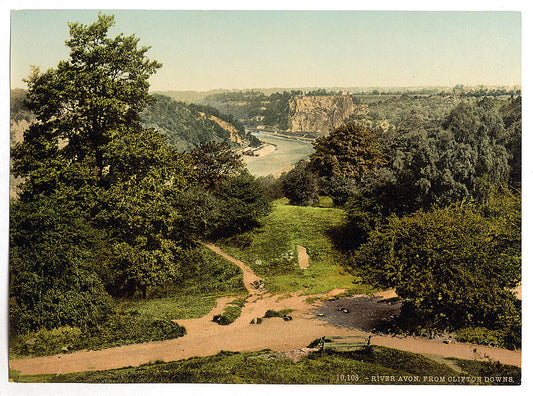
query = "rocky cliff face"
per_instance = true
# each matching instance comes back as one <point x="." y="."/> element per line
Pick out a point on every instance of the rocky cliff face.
<point x="321" y="114"/>
<point x="233" y="132"/>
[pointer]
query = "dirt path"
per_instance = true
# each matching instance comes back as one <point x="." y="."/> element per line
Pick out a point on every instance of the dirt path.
<point x="248" y="275"/>
<point x="205" y="337"/>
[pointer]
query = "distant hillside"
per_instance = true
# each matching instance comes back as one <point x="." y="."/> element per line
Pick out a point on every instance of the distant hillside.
<point x="254" y="108"/>
<point x="187" y="126"/>
<point x="189" y="96"/>
<point x="317" y="112"/>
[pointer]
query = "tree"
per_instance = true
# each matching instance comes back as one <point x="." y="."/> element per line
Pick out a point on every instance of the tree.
<point x="214" y="162"/>
<point x="454" y="267"/>
<point x="243" y="203"/>
<point x="350" y="151"/>
<point x="300" y="185"/>
<point x="101" y="88"/>
<point x="53" y="271"/>
<point x="88" y="148"/>
<point x="462" y="160"/>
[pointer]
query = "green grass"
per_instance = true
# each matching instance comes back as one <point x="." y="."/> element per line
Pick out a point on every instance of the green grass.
<point x="178" y="307"/>
<point x="231" y="312"/>
<point x="269" y="367"/>
<point x="270" y="250"/>
<point x="135" y="321"/>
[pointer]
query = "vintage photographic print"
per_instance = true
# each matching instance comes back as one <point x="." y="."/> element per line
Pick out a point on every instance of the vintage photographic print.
<point x="265" y="197"/>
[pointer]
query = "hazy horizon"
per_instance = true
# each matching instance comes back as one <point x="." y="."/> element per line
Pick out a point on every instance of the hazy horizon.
<point x="242" y="50"/>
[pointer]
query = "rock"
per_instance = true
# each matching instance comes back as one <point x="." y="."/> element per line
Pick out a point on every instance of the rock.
<point x="321" y="114"/>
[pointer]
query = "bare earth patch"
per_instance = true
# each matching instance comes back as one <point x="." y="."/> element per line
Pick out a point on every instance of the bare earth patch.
<point x="303" y="257"/>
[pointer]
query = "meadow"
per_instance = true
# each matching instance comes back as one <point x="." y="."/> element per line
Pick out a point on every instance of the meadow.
<point x="270" y="250"/>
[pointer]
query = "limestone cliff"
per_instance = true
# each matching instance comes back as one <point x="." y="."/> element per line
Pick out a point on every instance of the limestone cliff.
<point x="233" y="132"/>
<point x="321" y="114"/>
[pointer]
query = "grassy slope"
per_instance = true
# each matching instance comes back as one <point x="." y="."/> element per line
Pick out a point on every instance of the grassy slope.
<point x="272" y="368"/>
<point x="271" y="250"/>
<point x="138" y="321"/>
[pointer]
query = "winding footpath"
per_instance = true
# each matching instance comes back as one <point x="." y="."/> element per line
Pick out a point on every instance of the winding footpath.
<point x="205" y="338"/>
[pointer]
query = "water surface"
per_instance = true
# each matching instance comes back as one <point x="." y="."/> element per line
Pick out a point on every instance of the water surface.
<point x="287" y="153"/>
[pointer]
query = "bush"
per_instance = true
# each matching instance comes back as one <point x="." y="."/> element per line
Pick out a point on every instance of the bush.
<point x="231" y="312"/>
<point x="453" y="267"/>
<point x="300" y="185"/>
<point x="271" y="313"/>
<point x="500" y="338"/>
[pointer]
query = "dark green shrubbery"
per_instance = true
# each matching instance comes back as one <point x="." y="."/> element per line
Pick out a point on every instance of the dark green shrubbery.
<point x="271" y="313"/>
<point x="496" y="338"/>
<point x="454" y="267"/>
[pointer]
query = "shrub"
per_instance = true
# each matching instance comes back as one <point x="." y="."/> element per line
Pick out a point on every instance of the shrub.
<point x="277" y="314"/>
<point x="118" y="329"/>
<point x="231" y="312"/>
<point x="453" y="267"/>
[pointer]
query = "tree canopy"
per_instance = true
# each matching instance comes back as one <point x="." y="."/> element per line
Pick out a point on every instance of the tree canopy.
<point x="88" y="151"/>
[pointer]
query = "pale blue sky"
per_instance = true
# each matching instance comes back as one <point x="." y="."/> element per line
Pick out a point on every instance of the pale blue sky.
<point x="203" y="50"/>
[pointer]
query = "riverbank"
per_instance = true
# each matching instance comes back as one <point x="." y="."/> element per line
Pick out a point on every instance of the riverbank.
<point x="283" y="153"/>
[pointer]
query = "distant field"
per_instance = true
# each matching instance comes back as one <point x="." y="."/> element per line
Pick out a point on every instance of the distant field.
<point x="271" y="250"/>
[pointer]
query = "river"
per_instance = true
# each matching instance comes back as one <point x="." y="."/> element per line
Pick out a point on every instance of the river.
<point x="287" y="153"/>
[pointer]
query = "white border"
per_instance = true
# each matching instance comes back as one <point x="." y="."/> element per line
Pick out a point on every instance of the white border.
<point x="256" y="390"/>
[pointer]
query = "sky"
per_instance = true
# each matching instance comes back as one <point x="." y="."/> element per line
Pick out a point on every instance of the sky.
<point x="202" y="50"/>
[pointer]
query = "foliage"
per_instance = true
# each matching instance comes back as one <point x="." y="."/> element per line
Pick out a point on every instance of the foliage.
<point x="243" y="203"/>
<point x="483" y="336"/>
<point x="187" y="126"/>
<point x="269" y="367"/>
<point x="52" y="255"/>
<point x="511" y="113"/>
<point x="213" y="163"/>
<point x="255" y="107"/>
<point x="272" y="186"/>
<point x="436" y="167"/>
<point x="118" y="329"/>
<point x="271" y="313"/>
<point x="350" y="151"/>
<point x="100" y="89"/>
<point x="300" y="185"/>
<point x="17" y="106"/>
<point x="454" y="266"/>
<point x="338" y="188"/>
<point x="89" y="151"/>
<point x="208" y="276"/>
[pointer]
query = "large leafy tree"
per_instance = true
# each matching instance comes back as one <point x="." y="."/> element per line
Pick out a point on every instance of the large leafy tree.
<point x="88" y="148"/>
<point x="350" y="151"/>
<point x="343" y="159"/>
<point x="215" y="162"/>
<point x="300" y="185"/>
<point x="101" y="88"/>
